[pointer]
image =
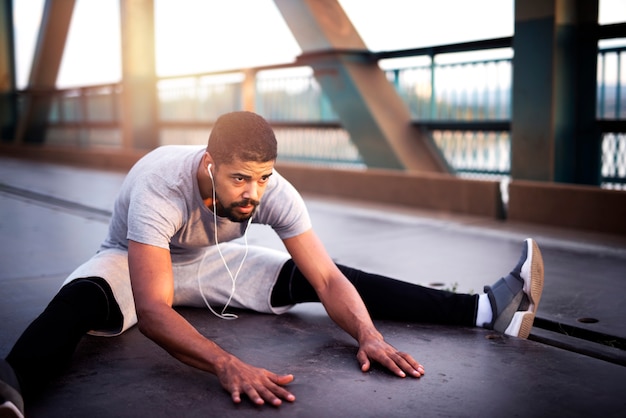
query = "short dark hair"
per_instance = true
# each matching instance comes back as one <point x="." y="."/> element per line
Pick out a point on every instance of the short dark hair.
<point x="243" y="136"/>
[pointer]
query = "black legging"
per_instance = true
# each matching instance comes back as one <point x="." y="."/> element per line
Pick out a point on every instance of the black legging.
<point x="385" y="298"/>
<point x="48" y="344"/>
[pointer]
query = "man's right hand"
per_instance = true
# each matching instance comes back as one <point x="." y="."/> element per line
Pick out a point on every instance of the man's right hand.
<point x="258" y="384"/>
<point x="153" y="288"/>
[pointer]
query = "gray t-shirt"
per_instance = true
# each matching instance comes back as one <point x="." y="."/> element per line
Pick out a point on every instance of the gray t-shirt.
<point x="160" y="204"/>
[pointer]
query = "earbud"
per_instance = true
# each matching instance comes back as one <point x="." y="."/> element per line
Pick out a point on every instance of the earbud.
<point x="209" y="170"/>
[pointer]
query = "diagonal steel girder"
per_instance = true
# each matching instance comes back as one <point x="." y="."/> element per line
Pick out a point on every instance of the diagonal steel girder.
<point x="55" y="23"/>
<point x="139" y="80"/>
<point x="378" y="121"/>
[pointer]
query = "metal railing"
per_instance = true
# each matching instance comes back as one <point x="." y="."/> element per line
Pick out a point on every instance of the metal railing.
<point x="611" y="103"/>
<point x="464" y="104"/>
<point x="469" y="121"/>
<point x="292" y="96"/>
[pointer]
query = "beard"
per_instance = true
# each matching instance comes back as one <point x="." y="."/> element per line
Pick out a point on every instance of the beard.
<point x="230" y="212"/>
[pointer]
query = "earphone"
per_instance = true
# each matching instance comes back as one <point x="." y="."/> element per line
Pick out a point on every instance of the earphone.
<point x="223" y="314"/>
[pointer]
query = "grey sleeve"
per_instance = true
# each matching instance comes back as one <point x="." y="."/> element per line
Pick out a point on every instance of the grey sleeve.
<point x="155" y="212"/>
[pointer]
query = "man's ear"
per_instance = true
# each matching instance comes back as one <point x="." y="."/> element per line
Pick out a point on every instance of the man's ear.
<point x="208" y="161"/>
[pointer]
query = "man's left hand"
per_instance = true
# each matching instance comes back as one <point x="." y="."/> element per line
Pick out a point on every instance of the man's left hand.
<point x="399" y="363"/>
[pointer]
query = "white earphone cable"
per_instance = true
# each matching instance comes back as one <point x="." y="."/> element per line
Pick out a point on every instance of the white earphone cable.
<point x="233" y="278"/>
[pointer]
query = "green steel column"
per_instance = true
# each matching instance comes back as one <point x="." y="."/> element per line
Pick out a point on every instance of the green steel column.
<point x="577" y="135"/>
<point x="8" y="108"/>
<point x="369" y="108"/>
<point x="139" y="94"/>
<point x="55" y="23"/>
<point x="554" y="134"/>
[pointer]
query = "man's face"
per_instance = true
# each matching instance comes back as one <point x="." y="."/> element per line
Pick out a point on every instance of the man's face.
<point x="239" y="187"/>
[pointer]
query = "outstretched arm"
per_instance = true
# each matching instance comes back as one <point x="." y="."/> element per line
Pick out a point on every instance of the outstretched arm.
<point x="153" y="290"/>
<point x="345" y="306"/>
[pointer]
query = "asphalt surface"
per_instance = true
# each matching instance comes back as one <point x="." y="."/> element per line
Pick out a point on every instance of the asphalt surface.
<point x="54" y="217"/>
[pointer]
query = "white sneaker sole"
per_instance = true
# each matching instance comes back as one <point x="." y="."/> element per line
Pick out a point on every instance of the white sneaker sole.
<point x="532" y="273"/>
<point x="9" y="410"/>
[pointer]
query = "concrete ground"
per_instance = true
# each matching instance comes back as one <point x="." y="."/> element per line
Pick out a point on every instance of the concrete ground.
<point x="54" y="217"/>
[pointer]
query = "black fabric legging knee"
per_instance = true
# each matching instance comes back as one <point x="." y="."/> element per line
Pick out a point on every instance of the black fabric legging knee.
<point x="48" y="343"/>
<point x="385" y="298"/>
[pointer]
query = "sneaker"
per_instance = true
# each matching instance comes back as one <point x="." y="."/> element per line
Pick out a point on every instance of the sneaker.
<point x="514" y="299"/>
<point x="11" y="402"/>
<point x="9" y="410"/>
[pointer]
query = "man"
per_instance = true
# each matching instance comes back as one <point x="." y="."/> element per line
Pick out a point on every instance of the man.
<point x="169" y="245"/>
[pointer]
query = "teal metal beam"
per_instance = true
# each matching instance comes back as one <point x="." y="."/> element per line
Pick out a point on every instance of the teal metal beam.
<point x="8" y="105"/>
<point x="55" y="23"/>
<point x="577" y="134"/>
<point x="378" y="121"/>
<point x="554" y="132"/>
<point x="139" y="95"/>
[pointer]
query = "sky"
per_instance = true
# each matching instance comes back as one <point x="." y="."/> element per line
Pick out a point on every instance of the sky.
<point x="195" y="36"/>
